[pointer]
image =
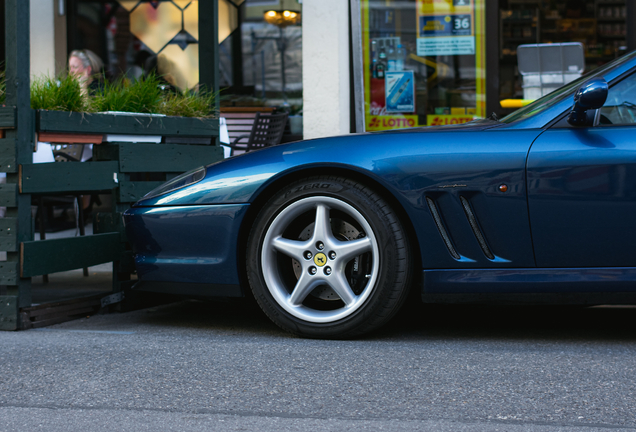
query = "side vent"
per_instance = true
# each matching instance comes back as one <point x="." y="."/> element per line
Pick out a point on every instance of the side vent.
<point x="440" y="226"/>
<point x="472" y="220"/>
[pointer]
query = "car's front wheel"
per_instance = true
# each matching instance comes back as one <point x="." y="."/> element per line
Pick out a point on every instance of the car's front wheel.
<point x="328" y="257"/>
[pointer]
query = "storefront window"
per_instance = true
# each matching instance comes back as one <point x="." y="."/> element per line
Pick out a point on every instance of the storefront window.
<point x="133" y="37"/>
<point x="599" y="26"/>
<point x="260" y="58"/>
<point x="424" y="62"/>
<point x="261" y="63"/>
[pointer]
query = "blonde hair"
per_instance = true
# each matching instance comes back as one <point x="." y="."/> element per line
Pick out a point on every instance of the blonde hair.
<point x="89" y="58"/>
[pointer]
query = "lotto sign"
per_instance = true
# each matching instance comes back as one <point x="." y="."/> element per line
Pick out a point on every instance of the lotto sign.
<point x="378" y="123"/>
<point x="446" y="119"/>
<point x="445" y="27"/>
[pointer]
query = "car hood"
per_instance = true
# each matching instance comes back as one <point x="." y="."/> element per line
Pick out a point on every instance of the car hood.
<point x="239" y="179"/>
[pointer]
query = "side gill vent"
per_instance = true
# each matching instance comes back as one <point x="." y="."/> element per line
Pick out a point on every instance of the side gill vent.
<point x="472" y="220"/>
<point x="440" y="226"/>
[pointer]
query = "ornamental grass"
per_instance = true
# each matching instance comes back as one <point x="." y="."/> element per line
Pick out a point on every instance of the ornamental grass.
<point x="146" y="95"/>
<point x="58" y="94"/>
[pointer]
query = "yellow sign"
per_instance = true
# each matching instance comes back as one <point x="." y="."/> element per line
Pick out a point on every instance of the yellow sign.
<point x="435" y="7"/>
<point x="378" y="123"/>
<point x="434" y="25"/>
<point x="447" y="119"/>
<point x="444" y="28"/>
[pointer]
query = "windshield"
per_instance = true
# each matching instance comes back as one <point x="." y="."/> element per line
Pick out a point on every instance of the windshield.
<point x="556" y="96"/>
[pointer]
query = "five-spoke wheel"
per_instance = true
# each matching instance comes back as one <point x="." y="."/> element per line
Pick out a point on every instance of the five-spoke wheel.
<point x="323" y="259"/>
<point x="328" y="258"/>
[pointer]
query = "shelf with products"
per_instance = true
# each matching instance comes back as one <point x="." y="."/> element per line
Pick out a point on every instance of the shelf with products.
<point x="612" y="19"/>
<point x="609" y="2"/>
<point x="584" y="30"/>
<point x="600" y="25"/>
<point x="519" y="25"/>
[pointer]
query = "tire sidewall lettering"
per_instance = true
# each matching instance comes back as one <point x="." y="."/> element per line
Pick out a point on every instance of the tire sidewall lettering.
<point x="308" y="187"/>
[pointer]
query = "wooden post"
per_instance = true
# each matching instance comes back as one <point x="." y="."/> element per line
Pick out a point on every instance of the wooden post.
<point x="209" y="48"/>
<point x="17" y="48"/>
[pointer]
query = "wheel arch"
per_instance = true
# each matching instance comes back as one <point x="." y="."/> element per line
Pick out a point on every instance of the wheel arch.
<point x="266" y="192"/>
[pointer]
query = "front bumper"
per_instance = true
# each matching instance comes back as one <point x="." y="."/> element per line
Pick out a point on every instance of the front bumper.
<point x="186" y="244"/>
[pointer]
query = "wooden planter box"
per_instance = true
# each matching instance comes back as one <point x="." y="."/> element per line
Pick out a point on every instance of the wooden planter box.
<point x="73" y="122"/>
<point x="7" y="117"/>
<point x="113" y="162"/>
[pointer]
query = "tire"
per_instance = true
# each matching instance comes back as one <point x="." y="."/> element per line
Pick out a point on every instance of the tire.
<point x="346" y="277"/>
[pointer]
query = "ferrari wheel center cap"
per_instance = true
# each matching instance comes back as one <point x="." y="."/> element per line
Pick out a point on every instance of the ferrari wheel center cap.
<point x="320" y="259"/>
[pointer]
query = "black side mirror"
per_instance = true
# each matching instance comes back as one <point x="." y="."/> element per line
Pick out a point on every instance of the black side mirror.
<point x="592" y="95"/>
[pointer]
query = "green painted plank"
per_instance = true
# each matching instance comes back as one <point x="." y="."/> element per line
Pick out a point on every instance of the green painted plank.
<point x="7" y="117"/>
<point x="166" y="157"/>
<point x="8" y="312"/>
<point x="7" y="155"/>
<point x="67" y="177"/>
<point x="17" y="68"/>
<point x="8" y="272"/>
<point x="51" y="256"/>
<point x="8" y="164"/>
<point x="109" y="223"/>
<point x="8" y="195"/>
<point x="60" y="121"/>
<point x="8" y="234"/>
<point x="8" y="145"/>
<point x="131" y="192"/>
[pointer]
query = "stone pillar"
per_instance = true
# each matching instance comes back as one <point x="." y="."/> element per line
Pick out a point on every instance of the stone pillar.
<point x="59" y="22"/>
<point x="326" y="83"/>
<point x="42" y="37"/>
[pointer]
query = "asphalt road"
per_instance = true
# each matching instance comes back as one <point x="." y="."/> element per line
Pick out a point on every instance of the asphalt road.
<point x="216" y="366"/>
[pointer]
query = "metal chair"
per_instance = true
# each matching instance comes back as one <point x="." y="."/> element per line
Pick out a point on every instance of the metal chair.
<point x="267" y="131"/>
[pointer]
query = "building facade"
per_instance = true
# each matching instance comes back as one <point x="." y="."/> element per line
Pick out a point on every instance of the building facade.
<point x="345" y="65"/>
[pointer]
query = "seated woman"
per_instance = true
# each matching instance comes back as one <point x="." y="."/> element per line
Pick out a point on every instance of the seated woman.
<point x="88" y="67"/>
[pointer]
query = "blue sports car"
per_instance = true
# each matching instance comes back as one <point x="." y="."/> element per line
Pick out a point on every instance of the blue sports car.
<point x="331" y="235"/>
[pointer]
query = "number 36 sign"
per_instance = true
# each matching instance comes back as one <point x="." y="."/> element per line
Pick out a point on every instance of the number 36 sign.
<point x="445" y="27"/>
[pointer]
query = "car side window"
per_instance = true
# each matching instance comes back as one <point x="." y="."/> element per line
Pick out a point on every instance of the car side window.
<point x="620" y="106"/>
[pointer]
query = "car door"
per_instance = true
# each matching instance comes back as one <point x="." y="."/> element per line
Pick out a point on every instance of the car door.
<point x="582" y="188"/>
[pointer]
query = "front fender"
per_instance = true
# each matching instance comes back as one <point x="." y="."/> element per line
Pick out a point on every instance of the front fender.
<point x="240" y="179"/>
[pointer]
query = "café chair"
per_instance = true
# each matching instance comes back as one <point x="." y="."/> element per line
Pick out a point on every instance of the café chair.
<point x="267" y="131"/>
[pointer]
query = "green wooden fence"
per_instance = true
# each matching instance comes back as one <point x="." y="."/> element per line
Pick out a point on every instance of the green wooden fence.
<point x="116" y="169"/>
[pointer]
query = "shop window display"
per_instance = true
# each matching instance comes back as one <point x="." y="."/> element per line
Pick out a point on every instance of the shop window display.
<point x="423" y="62"/>
<point x="599" y="25"/>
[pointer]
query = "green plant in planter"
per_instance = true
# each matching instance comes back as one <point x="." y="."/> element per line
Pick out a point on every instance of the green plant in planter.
<point x="188" y="104"/>
<point x="61" y="94"/>
<point x="141" y="96"/>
